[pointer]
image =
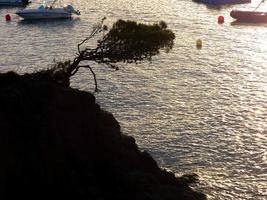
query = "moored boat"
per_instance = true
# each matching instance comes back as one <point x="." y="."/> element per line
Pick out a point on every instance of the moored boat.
<point x="222" y="2"/>
<point x="47" y="12"/>
<point x="249" y="16"/>
<point x="13" y="2"/>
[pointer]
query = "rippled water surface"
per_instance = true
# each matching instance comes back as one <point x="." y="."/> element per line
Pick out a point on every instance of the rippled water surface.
<point x="202" y="111"/>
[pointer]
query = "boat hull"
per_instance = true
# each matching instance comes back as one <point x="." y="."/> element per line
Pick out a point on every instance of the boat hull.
<point x="14" y="3"/>
<point x="249" y="16"/>
<point x="46" y="14"/>
<point x="223" y="2"/>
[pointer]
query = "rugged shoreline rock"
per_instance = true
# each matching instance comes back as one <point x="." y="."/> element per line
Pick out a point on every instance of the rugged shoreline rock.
<point x="56" y="142"/>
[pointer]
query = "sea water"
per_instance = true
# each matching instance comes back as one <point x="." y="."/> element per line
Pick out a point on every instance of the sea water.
<point x="195" y="110"/>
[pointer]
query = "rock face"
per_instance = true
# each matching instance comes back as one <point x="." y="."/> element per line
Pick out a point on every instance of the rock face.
<point x="56" y="142"/>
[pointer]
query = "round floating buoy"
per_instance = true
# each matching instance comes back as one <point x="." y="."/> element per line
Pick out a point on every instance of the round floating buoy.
<point x="8" y="17"/>
<point x="199" y="43"/>
<point x="220" y="19"/>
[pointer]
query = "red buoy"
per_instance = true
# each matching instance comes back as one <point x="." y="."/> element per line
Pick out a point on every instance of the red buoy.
<point x="220" y="19"/>
<point x="8" y="17"/>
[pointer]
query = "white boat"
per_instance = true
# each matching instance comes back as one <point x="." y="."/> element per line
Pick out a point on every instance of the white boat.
<point x="47" y="12"/>
<point x="13" y="2"/>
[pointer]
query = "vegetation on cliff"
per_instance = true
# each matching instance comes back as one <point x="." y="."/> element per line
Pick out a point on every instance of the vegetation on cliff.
<point x="126" y="41"/>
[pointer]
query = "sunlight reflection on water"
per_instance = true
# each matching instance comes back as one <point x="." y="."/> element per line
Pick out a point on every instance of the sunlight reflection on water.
<point x="201" y="111"/>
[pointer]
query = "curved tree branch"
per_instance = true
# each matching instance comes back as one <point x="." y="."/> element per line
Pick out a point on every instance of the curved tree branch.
<point x="88" y="66"/>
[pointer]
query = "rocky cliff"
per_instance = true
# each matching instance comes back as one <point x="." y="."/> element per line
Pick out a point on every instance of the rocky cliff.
<point x="56" y="142"/>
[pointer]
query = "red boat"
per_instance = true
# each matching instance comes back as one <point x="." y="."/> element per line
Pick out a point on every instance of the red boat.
<point x="249" y="16"/>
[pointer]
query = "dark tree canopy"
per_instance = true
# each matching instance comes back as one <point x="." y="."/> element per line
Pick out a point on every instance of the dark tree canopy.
<point x="126" y="41"/>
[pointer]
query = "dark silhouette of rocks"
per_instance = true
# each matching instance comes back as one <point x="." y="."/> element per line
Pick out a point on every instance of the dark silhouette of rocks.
<point x="56" y="142"/>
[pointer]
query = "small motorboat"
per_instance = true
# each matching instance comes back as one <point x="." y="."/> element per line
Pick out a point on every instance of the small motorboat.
<point x="14" y="2"/>
<point x="249" y="16"/>
<point x="47" y="12"/>
<point x="222" y="2"/>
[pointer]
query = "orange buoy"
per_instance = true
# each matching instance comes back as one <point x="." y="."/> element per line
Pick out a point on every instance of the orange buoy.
<point x="8" y="17"/>
<point x="220" y="19"/>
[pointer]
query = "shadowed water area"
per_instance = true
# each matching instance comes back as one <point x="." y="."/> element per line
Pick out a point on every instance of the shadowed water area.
<point x="202" y="111"/>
